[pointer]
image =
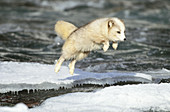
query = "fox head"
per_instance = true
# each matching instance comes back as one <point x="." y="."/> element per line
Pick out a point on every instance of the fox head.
<point x="116" y="30"/>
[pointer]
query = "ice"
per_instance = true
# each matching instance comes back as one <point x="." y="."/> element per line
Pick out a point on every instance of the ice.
<point x="159" y="74"/>
<point x="129" y="98"/>
<point x="17" y="76"/>
<point x="20" y="107"/>
<point x="118" y="98"/>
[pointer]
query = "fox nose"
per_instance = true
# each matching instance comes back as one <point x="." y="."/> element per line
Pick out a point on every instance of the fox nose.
<point x="124" y="38"/>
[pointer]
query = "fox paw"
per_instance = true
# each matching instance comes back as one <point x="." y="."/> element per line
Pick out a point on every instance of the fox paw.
<point x="105" y="48"/>
<point x="71" y="72"/>
<point x="57" y="68"/>
<point x="114" y="45"/>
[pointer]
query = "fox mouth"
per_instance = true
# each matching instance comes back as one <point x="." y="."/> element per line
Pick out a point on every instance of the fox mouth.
<point x="115" y="41"/>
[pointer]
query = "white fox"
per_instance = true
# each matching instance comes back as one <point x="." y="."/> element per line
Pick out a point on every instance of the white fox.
<point x="92" y="36"/>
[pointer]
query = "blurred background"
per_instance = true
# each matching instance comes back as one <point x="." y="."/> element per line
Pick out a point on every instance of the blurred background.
<point x="27" y="32"/>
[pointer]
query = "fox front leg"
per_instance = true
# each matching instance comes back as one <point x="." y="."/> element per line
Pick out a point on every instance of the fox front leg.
<point x="114" y="45"/>
<point x="105" y="46"/>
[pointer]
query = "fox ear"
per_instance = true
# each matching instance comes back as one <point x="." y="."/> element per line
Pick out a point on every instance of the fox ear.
<point x="110" y="23"/>
<point x="122" y="21"/>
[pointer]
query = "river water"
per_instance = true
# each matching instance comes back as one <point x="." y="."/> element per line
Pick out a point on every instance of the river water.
<point x="27" y="32"/>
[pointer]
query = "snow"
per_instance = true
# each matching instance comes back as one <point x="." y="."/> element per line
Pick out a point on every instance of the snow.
<point x="17" y="76"/>
<point x="20" y="107"/>
<point x="129" y="98"/>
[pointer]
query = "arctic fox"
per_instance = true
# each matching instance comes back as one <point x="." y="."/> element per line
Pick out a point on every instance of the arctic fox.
<point x="92" y="36"/>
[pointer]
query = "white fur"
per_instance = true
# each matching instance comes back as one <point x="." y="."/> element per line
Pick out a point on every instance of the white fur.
<point x="93" y="36"/>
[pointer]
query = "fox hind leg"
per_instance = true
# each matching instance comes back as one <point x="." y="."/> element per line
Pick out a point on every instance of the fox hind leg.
<point x="80" y="56"/>
<point x="72" y="66"/>
<point x="58" y="64"/>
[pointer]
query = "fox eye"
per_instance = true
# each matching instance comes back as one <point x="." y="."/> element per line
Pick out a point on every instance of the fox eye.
<point x="118" y="32"/>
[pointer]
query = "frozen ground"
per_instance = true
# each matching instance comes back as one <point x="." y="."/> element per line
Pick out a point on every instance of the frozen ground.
<point x="129" y="98"/>
<point x="16" y="76"/>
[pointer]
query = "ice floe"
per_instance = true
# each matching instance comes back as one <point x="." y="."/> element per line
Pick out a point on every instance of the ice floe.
<point x="16" y="76"/>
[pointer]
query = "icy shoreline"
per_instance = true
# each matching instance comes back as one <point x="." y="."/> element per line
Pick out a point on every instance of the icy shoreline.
<point x="129" y="98"/>
<point x="17" y="76"/>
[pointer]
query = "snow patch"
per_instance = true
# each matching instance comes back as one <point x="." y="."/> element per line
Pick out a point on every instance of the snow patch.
<point x="17" y="76"/>
<point x="20" y="107"/>
<point x="129" y="98"/>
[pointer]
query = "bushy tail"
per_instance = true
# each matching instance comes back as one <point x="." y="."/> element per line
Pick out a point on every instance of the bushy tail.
<point x="64" y="29"/>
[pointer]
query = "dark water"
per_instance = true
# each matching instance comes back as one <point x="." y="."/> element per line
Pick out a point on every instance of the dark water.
<point x="27" y="32"/>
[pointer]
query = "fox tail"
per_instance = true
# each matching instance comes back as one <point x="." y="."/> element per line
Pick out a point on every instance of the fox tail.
<point x="64" y="29"/>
